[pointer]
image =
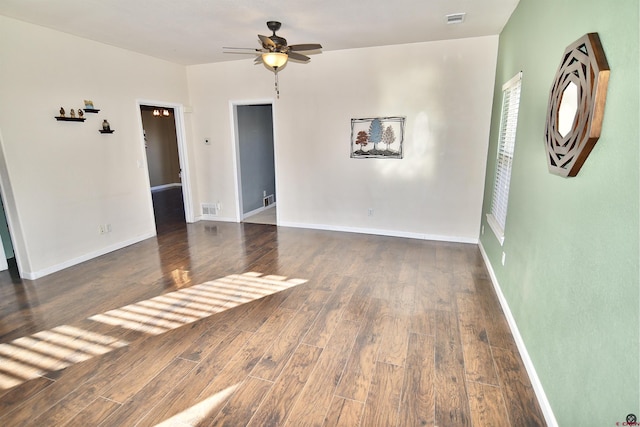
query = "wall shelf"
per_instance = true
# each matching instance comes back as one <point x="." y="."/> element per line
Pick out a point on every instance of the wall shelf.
<point x="106" y="131"/>
<point x="70" y="119"/>
<point x="91" y="110"/>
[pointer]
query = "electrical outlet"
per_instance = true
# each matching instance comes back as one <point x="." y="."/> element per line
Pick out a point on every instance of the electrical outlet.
<point x="218" y="206"/>
<point x="370" y="212"/>
<point x="108" y="228"/>
<point x="102" y="229"/>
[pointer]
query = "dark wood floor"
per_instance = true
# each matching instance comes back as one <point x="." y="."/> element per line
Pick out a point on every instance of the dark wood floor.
<point x="247" y="324"/>
<point x="168" y="209"/>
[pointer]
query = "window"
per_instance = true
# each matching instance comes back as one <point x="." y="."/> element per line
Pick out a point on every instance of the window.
<point x="506" y="144"/>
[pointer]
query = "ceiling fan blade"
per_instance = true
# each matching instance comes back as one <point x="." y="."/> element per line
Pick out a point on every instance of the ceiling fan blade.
<point x="303" y="47"/>
<point x="267" y="43"/>
<point x="243" y="48"/>
<point x="298" y="57"/>
<point x="258" y="60"/>
<point x="243" y="53"/>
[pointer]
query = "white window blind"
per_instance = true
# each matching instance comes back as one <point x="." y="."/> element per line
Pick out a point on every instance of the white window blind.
<point x="508" y="122"/>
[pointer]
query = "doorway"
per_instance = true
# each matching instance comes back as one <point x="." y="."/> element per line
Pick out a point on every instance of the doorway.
<point x="169" y="194"/>
<point x="8" y="256"/>
<point x="256" y="172"/>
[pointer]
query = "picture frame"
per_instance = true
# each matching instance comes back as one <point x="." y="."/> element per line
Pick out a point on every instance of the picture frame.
<point x="378" y="137"/>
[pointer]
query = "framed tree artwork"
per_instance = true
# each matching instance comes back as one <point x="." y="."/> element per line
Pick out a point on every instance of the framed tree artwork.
<point x="380" y="137"/>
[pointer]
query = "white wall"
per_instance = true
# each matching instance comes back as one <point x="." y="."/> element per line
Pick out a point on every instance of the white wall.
<point x="62" y="179"/>
<point x="443" y="88"/>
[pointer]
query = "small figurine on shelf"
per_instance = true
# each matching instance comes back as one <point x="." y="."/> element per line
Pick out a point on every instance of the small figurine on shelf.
<point x="72" y="113"/>
<point x="88" y="104"/>
<point x="106" y="126"/>
<point x="61" y="112"/>
<point x="80" y="113"/>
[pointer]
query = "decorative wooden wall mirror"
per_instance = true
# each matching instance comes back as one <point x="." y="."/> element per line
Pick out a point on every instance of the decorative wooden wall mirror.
<point x="576" y="105"/>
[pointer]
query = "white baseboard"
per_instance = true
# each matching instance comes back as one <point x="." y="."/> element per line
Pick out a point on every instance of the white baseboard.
<point x="545" y="406"/>
<point x="86" y="257"/>
<point x="257" y="211"/>
<point x="380" y="232"/>
<point x="165" y="186"/>
<point x="214" y="218"/>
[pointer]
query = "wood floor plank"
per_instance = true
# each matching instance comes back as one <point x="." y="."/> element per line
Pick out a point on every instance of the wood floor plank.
<point x="463" y="281"/>
<point x="239" y="367"/>
<point x="423" y="322"/>
<point x="208" y="339"/>
<point x="478" y="360"/>
<point x="276" y="405"/>
<point x="357" y="306"/>
<point x="123" y="386"/>
<point x="242" y="405"/>
<point x="417" y="406"/>
<point x="67" y="383"/>
<point x="117" y="381"/>
<point x="328" y="318"/>
<point x="315" y="398"/>
<point x="344" y="413"/>
<point x="487" y="405"/>
<point x="297" y="297"/>
<point x="94" y="414"/>
<point x="410" y="265"/>
<point x="434" y="291"/>
<point x="144" y="401"/>
<point x="328" y="277"/>
<point x="12" y="397"/>
<point x="452" y="407"/>
<point x="522" y="406"/>
<point x="279" y="352"/>
<point x="360" y="368"/>
<point x="498" y="331"/>
<point x="395" y="337"/>
<point x="187" y="391"/>
<point x="251" y="316"/>
<point x="394" y="341"/>
<point x="383" y="402"/>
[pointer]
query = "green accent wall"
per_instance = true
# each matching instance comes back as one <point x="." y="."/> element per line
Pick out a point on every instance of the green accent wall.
<point x="571" y="276"/>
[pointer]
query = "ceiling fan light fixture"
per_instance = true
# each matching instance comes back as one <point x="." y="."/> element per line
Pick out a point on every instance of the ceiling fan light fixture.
<point x="275" y="60"/>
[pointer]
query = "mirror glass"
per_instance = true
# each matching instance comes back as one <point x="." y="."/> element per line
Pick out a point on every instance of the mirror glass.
<point x="568" y="108"/>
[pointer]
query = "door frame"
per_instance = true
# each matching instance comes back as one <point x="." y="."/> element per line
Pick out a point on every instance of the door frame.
<point x="233" y="114"/>
<point x="185" y="175"/>
<point x="13" y="222"/>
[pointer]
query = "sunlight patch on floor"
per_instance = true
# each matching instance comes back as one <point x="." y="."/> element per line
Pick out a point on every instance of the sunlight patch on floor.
<point x="193" y="415"/>
<point x="30" y="357"/>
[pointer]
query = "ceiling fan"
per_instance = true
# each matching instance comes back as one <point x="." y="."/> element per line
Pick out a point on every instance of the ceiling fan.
<point x="275" y="52"/>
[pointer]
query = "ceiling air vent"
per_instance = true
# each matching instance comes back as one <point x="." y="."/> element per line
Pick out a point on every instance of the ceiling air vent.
<point x="455" y="18"/>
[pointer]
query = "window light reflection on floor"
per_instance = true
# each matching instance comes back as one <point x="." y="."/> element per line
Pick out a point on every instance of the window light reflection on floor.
<point x="29" y="357"/>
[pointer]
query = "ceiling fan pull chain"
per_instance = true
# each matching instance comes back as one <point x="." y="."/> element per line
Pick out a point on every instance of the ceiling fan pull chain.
<point x="277" y="87"/>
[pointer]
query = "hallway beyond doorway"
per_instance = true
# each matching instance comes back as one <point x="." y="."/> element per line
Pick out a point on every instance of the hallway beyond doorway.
<point x="168" y="208"/>
<point x="266" y="216"/>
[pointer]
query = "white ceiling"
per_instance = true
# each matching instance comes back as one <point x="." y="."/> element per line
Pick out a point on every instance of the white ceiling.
<point x="194" y="31"/>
